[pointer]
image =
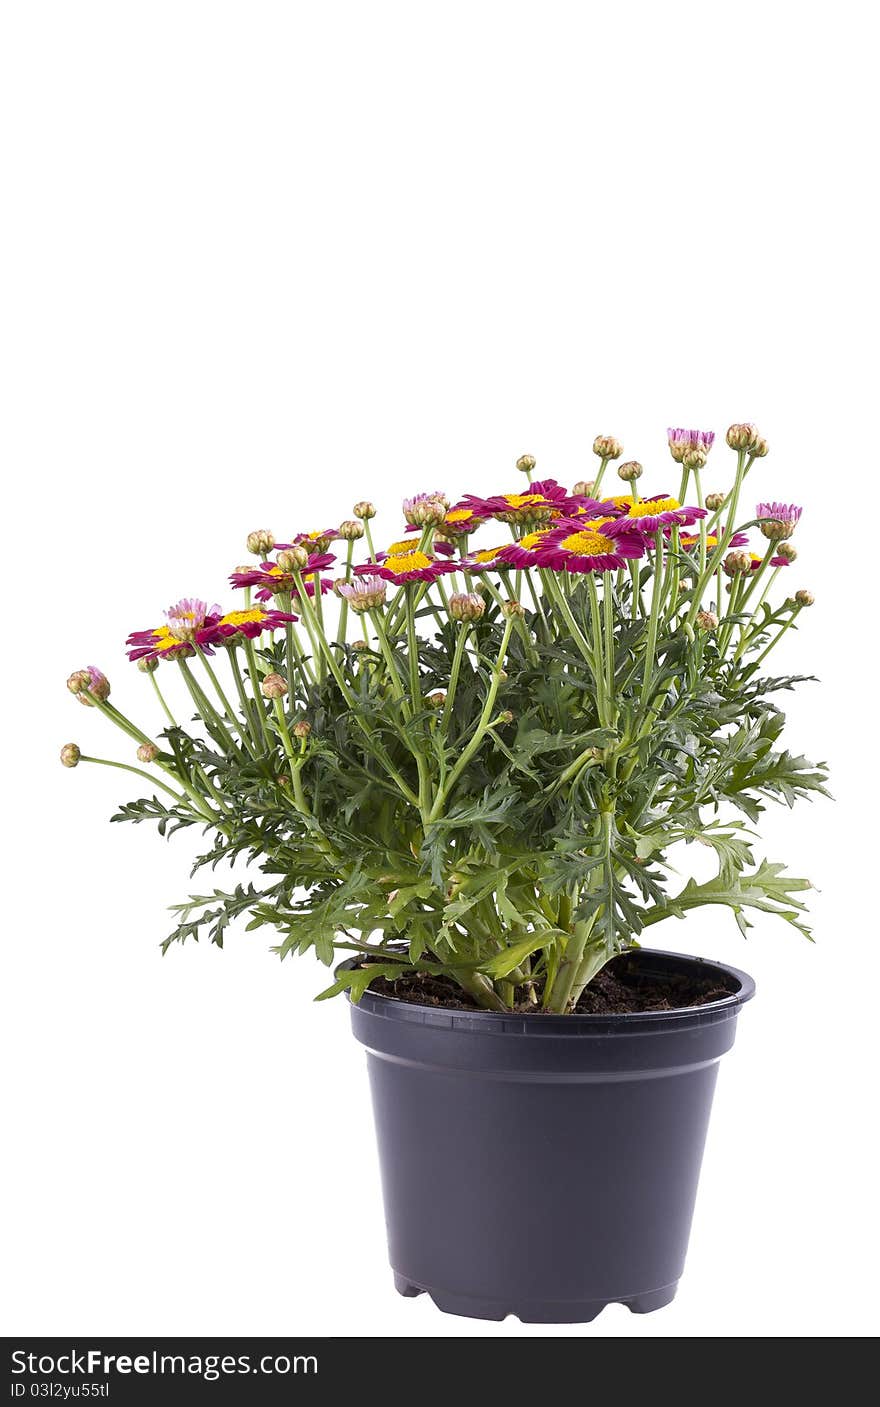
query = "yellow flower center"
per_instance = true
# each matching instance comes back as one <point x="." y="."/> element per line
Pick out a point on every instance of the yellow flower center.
<point x="524" y="500"/>
<point x="404" y="547"/>
<point x="458" y="515"/>
<point x="647" y="507"/>
<point x="486" y="554"/>
<point x="253" y="616"/>
<point x="692" y="539"/>
<point x="532" y="540"/>
<point x="163" y="639"/>
<point x="587" y="543"/>
<point x="413" y="561"/>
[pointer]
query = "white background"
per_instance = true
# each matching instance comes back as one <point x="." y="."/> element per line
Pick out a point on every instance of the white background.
<point x="264" y="259"/>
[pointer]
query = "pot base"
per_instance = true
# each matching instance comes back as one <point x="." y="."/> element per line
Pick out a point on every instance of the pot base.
<point x="534" y="1311"/>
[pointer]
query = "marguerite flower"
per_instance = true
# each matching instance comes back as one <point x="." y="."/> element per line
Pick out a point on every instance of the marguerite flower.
<point x="188" y="616"/>
<point x="316" y="541"/>
<point x="691" y="540"/>
<point x="526" y="551"/>
<point x="778" y="520"/>
<point x="649" y="514"/>
<point x="271" y="580"/>
<point x="400" y="566"/>
<point x="249" y="623"/>
<point x="457" y="522"/>
<point x="731" y="566"/>
<point x="599" y="546"/>
<point x="681" y="441"/>
<point x="544" y="500"/>
<point x="486" y="559"/>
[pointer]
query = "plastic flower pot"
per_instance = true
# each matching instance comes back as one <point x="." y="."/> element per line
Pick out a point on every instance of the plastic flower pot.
<point x="544" y="1166"/>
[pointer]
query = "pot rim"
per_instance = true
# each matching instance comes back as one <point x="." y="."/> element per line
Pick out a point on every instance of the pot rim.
<point x="553" y="1023"/>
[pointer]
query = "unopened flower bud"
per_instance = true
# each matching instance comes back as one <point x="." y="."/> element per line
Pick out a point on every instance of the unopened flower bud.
<point x="302" y="729"/>
<point x="351" y="530"/>
<point x="606" y="447"/>
<point x="437" y="699"/>
<point x="736" y="562"/>
<point x="526" y="463"/>
<point x="89" y="684"/>
<point x="147" y="752"/>
<point x="70" y="755"/>
<point x="760" y="448"/>
<point x="695" y="459"/>
<point x="359" y="645"/>
<point x="804" y="598"/>
<point x="583" y="488"/>
<point x="260" y="542"/>
<point x="742" y="436"/>
<point x="714" y="501"/>
<point x="512" y="608"/>
<point x="425" y="510"/>
<point x="274" y="686"/>
<point x="293" y="559"/>
<point x="629" y="471"/>
<point x="78" y="681"/>
<point x="707" y="620"/>
<point x="147" y="664"/>
<point x="466" y="606"/>
<point x="505" y="717"/>
<point x="364" y="509"/>
<point x="786" y="550"/>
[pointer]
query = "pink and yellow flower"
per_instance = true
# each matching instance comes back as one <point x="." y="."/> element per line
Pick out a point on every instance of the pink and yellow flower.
<point x="316" y="541"/>
<point x="649" y="514"/>
<point x="405" y="561"/>
<point x="248" y="623"/>
<point x="486" y="559"/>
<point x="544" y="500"/>
<point x="185" y="623"/>
<point x="270" y="580"/>
<point x="690" y="540"/>
<point x="457" y="522"/>
<point x="601" y="546"/>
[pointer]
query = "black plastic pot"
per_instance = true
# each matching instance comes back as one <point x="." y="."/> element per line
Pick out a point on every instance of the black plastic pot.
<point x="544" y="1166"/>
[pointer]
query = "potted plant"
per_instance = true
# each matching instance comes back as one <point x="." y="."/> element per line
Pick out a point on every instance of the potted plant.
<point x="460" y="763"/>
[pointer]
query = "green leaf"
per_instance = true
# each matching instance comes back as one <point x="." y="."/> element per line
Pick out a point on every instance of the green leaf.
<point x="357" y="979"/>
<point x="505" y="962"/>
<point x="767" y="888"/>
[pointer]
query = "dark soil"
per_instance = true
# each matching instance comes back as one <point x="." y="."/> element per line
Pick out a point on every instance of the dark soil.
<point x="618" y="988"/>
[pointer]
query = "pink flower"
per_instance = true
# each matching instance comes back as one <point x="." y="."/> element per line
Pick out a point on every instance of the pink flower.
<point x="599" y="545"/>
<point x="681" y="441"/>
<point x="649" y="514"/>
<point x="364" y="593"/>
<point x="778" y="520"/>
<point x="545" y="499"/>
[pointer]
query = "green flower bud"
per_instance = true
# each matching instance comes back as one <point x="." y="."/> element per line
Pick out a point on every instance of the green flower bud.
<point x="70" y="755"/>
